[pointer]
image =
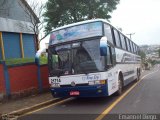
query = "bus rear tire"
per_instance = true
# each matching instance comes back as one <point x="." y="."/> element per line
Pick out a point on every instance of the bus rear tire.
<point x="138" y="75"/>
<point x="120" y="86"/>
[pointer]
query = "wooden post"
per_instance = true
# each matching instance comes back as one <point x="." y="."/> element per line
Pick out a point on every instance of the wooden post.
<point x="21" y="45"/>
<point x="2" y="46"/>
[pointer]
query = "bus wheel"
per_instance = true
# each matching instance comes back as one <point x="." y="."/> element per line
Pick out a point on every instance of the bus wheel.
<point x="138" y="75"/>
<point x="120" y="86"/>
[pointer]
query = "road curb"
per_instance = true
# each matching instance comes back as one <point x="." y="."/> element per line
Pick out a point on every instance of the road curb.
<point x="37" y="106"/>
<point x="28" y="109"/>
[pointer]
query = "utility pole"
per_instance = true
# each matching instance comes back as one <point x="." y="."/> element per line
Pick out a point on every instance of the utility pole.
<point x="130" y="35"/>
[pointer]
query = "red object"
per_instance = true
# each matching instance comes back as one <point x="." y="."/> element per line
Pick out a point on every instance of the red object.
<point x="44" y="76"/>
<point x="74" y="93"/>
<point x="23" y="77"/>
<point x="2" y="82"/>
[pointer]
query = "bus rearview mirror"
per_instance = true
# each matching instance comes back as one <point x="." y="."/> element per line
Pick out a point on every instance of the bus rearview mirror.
<point x="103" y="46"/>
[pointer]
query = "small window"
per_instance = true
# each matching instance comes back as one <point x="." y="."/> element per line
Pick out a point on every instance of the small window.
<point x="134" y="46"/>
<point x="108" y="33"/>
<point x="136" y="49"/>
<point x="123" y="41"/>
<point x="131" y="44"/>
<point x="117" y="39"/>
<point x="128" y="45"/>
<point x="113" y="56"/>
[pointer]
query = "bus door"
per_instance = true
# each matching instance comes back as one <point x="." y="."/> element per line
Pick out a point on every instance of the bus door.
<point x="111" y="74"/>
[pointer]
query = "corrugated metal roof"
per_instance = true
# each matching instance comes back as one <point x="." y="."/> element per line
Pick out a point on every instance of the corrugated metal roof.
<point x="30" y="9"/>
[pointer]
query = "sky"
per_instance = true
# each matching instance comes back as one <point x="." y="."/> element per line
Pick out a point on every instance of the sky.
<point x="141" y="17"/>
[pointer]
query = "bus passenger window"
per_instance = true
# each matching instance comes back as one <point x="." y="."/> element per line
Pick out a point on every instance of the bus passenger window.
<point x="113" y="56"/>
<point x="108" y="33"/>
<point x="131" y="44"/>
<point x="123" y="41"/>
<point x="128" y="45"/>
<point x="117" y="38"/>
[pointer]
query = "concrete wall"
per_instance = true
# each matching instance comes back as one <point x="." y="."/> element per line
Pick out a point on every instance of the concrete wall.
<point x="23" y="77"/>
<point x="22" y="80"/>
<point x="2" y="82"/>
<point x="12" y="45"/>
<point x="44" y="76"/>
<point x="0" y="53"/>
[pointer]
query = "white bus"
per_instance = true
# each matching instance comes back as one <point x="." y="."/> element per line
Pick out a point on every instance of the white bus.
<point x="91" y="59"/>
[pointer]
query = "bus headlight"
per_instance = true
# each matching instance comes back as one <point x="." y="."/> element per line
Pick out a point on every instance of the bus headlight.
<point x="103" y="81"/>
<point x="97" y="82"/>
<point x="91" y="82"/>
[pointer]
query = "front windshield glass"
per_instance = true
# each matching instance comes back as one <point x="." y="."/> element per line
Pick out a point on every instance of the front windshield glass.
<point x="83" y="57"/>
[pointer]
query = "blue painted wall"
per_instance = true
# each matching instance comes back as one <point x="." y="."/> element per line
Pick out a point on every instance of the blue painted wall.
<point x="11" y="45"/>
<point x="0" y="54"/>
<point x="28" y="45"/>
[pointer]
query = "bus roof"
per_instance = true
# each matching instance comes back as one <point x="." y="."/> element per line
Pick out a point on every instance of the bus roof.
<point x="79" y="23"/>
<point x="89" y="21"/>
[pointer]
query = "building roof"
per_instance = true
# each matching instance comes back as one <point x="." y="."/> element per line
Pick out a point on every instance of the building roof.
<point x="30" y="9"/>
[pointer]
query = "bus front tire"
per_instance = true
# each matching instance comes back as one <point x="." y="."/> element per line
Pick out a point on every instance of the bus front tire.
<point x="120" y="87"/>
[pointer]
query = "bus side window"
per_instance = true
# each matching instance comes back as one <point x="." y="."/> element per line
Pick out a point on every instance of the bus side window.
<point x="113" y="56"/>
<point x="117" y="38"/>
<point x="128" y="44"/>
<point x="123" y="41"/>
<point x="131" y="46"/>
<point x="108" y="33"/>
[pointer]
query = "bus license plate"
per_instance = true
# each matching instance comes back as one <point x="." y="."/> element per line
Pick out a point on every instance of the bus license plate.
<point x="74" y="93"/>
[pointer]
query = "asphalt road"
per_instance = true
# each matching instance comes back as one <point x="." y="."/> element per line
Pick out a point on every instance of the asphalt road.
<point x="144" y="98"/>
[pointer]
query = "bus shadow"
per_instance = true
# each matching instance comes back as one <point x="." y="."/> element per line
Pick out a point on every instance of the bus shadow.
<point x="101" y="100"/>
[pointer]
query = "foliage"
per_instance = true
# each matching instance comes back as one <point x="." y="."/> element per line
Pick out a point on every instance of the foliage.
<point x="36" y="19"/>
<point x="61" y="12"/>
<point x="152" y="62"/>
<point x="159" y="52"/>
<point x="142" y="54"/>
<point x="19" y="61"/>
<point x="43" y="60"/>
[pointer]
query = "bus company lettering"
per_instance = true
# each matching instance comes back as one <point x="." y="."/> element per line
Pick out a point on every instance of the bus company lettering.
<point x="91" y="77"/>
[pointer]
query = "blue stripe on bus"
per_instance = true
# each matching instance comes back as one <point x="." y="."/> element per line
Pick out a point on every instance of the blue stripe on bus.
<point x="85" y="91"/>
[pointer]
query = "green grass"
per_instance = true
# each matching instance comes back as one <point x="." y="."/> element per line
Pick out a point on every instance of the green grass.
<point x="19" y="61"/>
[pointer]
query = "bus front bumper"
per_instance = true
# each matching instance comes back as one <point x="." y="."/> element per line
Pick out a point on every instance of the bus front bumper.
<point x="84" y="91"/>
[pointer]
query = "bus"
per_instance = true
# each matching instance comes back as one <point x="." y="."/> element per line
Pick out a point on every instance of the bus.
<point x="91" y="59"/>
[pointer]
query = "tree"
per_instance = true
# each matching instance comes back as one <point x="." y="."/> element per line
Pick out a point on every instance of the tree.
<point x="142" y="54"/>
<point x="159" y="52"/>
<point x="37" y="26"/>
<point x="61" y="12"/>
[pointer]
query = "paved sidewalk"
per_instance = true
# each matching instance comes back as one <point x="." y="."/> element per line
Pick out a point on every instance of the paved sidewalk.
<point x="25" y="102"/>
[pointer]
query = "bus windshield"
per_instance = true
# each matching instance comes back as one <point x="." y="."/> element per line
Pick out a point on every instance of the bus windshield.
<point x="76" y="58"/>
